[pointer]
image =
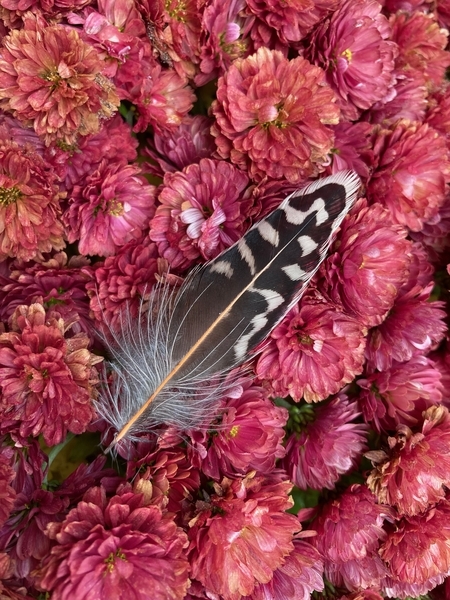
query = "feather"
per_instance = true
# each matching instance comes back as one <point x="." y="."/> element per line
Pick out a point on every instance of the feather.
<point x="172" y="368"/>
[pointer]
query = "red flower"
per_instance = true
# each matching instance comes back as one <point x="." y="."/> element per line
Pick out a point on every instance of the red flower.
<point x="412" y="173"/>
<point x="29" y="204"/>
<point x="118" y="548"/>
<point x="202" y="211"/>
<point x="422" y="45"/>
<point x="349" y="532"/>
<point x="51" y="80"/>
<point x="369" y="266"/>
<point x="272" y="116"/>
<point x="241" y="535"/>
<point x="112" y="207"/>
<point x="313" y="353"/>
<point x="46" y="380"/>
<point x="415" y="472"/>
<point x="327" y="447"/>
<point x="355" y="50"/>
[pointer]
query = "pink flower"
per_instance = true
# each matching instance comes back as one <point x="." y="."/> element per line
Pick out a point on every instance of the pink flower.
<point x="296" y="579"/>
<point x="50" y="79"/>
<point x="248" y="435"/>
<point x="241" y="535"/>
<point x="370" y="263"/>
<point x="111" y="208"/>
<point x="7" y="474"/>
<point x="414" y="472"/>
<point x="438" y="114"/>
<point x="174" y="149"/>
<point x="59" y="282"/>
<point x="124" y="281"/>
<point x="116" y="548"/>
<point x="313" y="352"/>
<point x="202" y="211"/>
<point x="29" y="204"/>
<point x="352" y="148"/>
<point x="349" y="532"/>
<point x="294" y="20"/>
<point x="328" y="446"/>
<point x="401" y="393"/>
<point x="355" y="50"/>
<point x="412" y="173"/>
<point x="414" y="325"/>
<point x="46" y="380"/>
<point x="419" y="548"/>
<point x="422" y="45"/>
<point x="272" y="116"/>
<point x="408" y="100"/>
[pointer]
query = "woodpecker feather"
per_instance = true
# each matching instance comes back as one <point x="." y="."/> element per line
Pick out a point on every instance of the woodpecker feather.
<point x="172" y="367"/>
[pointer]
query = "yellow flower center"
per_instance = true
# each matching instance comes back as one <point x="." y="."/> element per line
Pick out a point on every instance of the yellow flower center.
<point x="234" y="431"/>
<point x="111" y="559"/>
<point x="177" y="10"/>
<point x="9" y="195"/>
<point x="115" y="208"/>
<point x="347" y="54"/>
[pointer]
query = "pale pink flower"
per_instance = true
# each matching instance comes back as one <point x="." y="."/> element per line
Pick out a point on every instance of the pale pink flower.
<point x="272" y="116"/>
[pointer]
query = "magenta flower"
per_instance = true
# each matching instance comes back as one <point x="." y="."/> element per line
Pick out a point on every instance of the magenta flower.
<point x="202" y="211"/>
<point x="174" y="149"/>
<point x="272" y="116"/>
<point x="400" y="394"/>
<point x="7" y="474"/>
<point x="51" y="80"/>
<point x="248" y="435"/>
<point x="352" y="148"/>
<point x="296" y="579"/>
<point x="422" y="45"/>
<point x="313" y="353"/>
<point x="412" y="173"/>
<point x="327" y="447"/>
<point x="46" y="380"/>
<point x="414" y="325"/>
<point x="414" y="472"/>
<point x="115" y="548"/>
<point x="355" y="50"/>
<point x="370" y="264"/>
<point x="408" y="100"/>
<point x="111" y="208"/>
<point x="241" y="535"/>
<point x="418" y="550"/>
<point x="29" y="204"/>
<point x="349" y="532"/>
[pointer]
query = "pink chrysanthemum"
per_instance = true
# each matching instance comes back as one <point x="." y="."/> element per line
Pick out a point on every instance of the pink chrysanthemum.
<point x="46" y="380"/>
<point x="419" y="548"/>
<point x="435" y="236"/>
<point x="352" y="148"/>
<point x="296" y="579"/>
<point x="60" y="283"/>
<point x="223" y="38"/>
<point x="12" y="129"/>
<point x="272" y="116"/>
<point x="415" y="471"/>
<point x="51" y="80"/>
<point x="125" y="281"/>
<point x="29" y="204"/>
<point x="369" y="266"/>
<point x="408" y="100"/>
<point x="422" y="45"/>
<point x="401" y="393"/>
<point x="438" y="113"/>
<point x="414" y="325"/>
<point x="7" y="474"/>
<point x="313" y="352"/>
<point x="412" y="172"/>
<point x="349" y="532"/>
<point x="241" y="535"/>
<point x="248" y="436"/>
<point x="202" y="211"/>
<point x="327" y="447"/>
<point x="174" y="149"/>
<point x="121" y="547"/>
<point x="113" y="207"/>
<point x="356" y="51"/>
<point x="294" y="20"/>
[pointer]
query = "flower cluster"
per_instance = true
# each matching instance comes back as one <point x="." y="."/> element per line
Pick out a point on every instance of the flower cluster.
<point x="140" y="139"/>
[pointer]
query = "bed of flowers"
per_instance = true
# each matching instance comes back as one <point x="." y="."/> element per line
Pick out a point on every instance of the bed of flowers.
<point x="139" y="138"/>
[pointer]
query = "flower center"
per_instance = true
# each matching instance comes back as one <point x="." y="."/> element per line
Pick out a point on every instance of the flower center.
<point x="234" y="431"/>
<point x="347" y="54"/>
<point x="9" y="195"/>
<point x="177" y="10"/>
<point x="52" y="77"/>
<point x="111" y="559"/>
<point x="115" y="208"/>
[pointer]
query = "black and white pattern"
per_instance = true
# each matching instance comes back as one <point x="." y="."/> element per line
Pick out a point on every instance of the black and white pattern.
<point x="167" y="372"/>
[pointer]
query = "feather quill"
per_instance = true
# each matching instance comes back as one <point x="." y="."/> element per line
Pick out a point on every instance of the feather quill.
<point x="172" y="367"/>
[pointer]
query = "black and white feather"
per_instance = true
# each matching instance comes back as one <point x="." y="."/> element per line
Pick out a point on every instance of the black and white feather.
<point x="172" y="368"/>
